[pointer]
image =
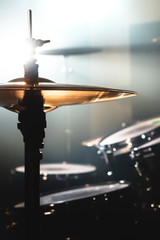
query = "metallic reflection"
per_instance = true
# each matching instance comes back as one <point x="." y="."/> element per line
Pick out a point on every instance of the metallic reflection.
<point x="56" y="95"/>
<point x="61" y="168"/>
<point x="79" y="193"/>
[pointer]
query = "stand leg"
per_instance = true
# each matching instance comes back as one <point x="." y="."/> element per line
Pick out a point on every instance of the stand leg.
<point x="32" y="203"/>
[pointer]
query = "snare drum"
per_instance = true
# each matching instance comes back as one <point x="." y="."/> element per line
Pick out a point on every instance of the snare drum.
<point x="119" y="145"/>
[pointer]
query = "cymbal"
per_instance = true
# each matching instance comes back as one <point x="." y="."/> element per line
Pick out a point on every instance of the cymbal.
<point x="70" y="51"/>
<point x="92" y="142"/>
<point x="79" y="193"/>
<point x="61" y="169"/>
<point x="56" y="94"/>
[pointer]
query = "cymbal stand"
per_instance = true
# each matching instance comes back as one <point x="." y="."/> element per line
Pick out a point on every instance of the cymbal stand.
<point x="32" y="122"/>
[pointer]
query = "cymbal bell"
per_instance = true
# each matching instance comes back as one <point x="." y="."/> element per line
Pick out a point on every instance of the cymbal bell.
<point x="56" y="94"/>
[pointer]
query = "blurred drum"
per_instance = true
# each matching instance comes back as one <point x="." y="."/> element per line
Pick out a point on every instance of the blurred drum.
<point x="83" y="212"/>
<point x="90" y="212"/>
<point x="73" y="194"/>
<point x="118" y="147"/>
<point x="55" y="176"/>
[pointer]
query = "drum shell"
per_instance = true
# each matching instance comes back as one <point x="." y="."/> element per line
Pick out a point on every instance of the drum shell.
<point x="63" y="181"/>
<point x="122" y="162"/>
<point x="52" y="182"/>
<point x="122" y="167"/>
<point x="148" y="160"/>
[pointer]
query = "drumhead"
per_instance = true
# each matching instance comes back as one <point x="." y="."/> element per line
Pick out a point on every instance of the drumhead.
<point x="79" y="193"/>
<point x="137" y="129"/>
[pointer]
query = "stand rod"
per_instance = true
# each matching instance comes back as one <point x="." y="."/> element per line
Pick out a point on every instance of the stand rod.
<point x="32" y="121"/>
<point x="32" y="196"/>
<point x="30" y="23"/>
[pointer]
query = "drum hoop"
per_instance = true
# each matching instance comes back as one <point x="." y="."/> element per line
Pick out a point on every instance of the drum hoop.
<point x="144" y="147"/>
<point x="133" y="142"/>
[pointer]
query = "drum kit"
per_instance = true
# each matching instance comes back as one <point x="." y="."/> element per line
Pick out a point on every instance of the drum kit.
<point x="130" y="154"/>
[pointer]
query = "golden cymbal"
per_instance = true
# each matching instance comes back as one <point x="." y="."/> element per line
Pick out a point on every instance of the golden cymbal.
<point x="56" y="94"/>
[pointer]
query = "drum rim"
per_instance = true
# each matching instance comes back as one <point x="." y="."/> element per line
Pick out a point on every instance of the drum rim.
<point x="155" y="142"/>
